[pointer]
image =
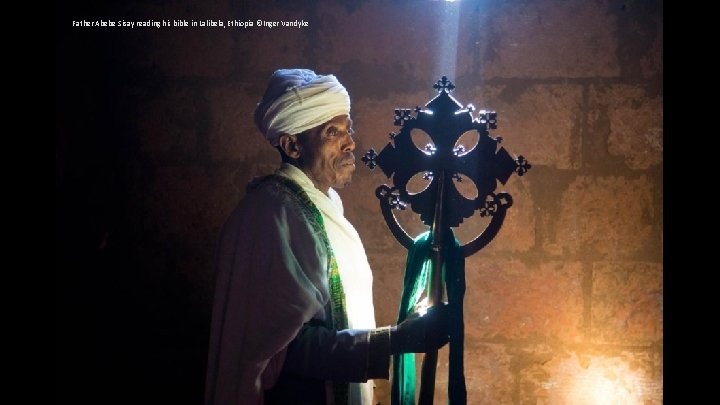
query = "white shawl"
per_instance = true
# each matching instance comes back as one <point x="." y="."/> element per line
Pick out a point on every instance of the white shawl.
<point x="352" y="262"/>
<point x="265" y="271"/>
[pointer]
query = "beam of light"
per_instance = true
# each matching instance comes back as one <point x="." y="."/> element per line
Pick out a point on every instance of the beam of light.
<point x="446" y="43"/>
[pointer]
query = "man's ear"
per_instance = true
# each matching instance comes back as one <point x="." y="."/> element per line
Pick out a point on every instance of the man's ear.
<point x="290" y="145"/>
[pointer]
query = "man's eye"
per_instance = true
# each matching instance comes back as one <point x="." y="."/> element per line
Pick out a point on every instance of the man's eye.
<point x="332" y="132"/>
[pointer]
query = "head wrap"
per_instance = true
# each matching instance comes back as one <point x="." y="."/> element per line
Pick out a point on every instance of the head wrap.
<point x="297" y="100"/>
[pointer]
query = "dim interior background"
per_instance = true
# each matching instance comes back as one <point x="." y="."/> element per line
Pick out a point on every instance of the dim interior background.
<point x="155" y="143"/>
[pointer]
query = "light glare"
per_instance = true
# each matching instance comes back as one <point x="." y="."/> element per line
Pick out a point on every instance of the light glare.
<point x="606" y="382"/>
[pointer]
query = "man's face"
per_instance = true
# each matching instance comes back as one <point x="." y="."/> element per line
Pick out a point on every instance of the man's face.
<point x="326" y="153"/>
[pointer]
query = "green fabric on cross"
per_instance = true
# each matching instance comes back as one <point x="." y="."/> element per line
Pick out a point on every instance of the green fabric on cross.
<point x="417" y="271"/>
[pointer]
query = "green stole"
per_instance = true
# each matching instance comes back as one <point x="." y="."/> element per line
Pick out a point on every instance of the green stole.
<point x="337" y="295"/>
<point x="417" y="270"/>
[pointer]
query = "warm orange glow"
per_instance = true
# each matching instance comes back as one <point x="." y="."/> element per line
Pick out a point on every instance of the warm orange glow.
<point x="607" y="381"/>
<point x="582" y="379"/>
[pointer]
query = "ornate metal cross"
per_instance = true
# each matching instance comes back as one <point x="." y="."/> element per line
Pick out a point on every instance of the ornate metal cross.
<point x="440" y="205"/>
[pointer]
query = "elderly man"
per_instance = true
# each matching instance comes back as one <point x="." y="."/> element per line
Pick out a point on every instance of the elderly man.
<point x="293" y="319"/>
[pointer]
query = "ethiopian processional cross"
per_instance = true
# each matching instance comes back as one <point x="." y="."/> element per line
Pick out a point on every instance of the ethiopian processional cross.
<point x="441" y="207"/>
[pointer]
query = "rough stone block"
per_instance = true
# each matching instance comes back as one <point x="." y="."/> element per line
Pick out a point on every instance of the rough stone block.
<point x="385" y="41"/>
<point x="373" y="117"/>
<point x="509" y="299"/>
<point x="518" y="231"/>
<point x="388" y="272"/>
<point x="540" y="122"/>
<point x="651" y="63"/>
<point x="635" y="123"/>
<point x="639" y="33"/>
<point x="488" y="375"/>
<point x="540" y="39"/>
<point x="604" y="217"/>
<point x="627" y="303"/>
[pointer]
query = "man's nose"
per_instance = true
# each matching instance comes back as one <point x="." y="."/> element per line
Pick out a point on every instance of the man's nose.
<point x="349" y="143"/>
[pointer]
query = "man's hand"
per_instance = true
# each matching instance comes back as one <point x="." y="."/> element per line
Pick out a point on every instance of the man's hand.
<point x="421" y="334"/>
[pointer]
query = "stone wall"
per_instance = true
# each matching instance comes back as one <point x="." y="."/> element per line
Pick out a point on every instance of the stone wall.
<point x="155" y="144"/>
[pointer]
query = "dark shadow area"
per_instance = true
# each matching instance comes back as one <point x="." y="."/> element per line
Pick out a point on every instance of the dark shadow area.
<point x="126" y="327"/>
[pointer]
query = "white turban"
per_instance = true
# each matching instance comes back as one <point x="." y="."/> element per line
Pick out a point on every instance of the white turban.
<point x="297" y="100"/>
